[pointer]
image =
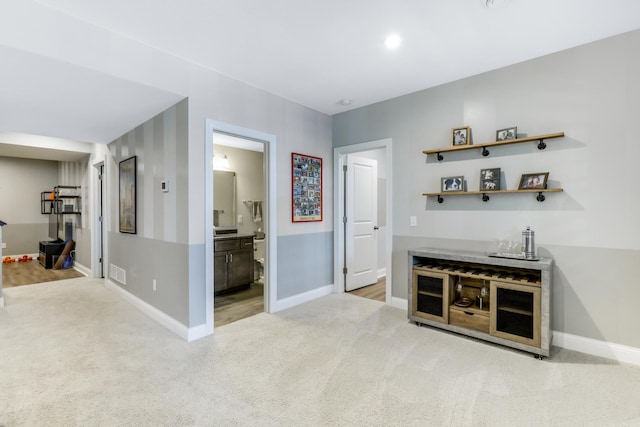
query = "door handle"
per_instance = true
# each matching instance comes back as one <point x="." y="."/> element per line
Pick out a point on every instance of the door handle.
<point x="375" y="227"/>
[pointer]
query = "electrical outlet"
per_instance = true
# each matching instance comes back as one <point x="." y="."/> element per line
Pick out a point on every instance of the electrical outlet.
<point x="240" y="219"/>
<point x="154" y="285"/>
<point x="4" y="245"/>
<point x="413" y="221"/>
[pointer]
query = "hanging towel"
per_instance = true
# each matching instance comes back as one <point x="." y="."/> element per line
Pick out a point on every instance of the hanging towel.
<point x="257" y="211"/>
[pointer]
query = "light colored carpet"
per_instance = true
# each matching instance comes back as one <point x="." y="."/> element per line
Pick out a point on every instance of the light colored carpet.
<point x="73" y="353"/>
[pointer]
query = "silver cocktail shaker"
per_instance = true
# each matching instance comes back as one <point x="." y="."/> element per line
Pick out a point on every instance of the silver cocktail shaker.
<point x="528" y="244"/>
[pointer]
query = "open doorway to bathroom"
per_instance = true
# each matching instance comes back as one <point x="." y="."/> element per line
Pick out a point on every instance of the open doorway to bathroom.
<point x="238" y="218"/>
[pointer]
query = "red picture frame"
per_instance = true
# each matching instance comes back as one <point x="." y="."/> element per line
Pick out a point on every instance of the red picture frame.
<point x="306" y="188"/>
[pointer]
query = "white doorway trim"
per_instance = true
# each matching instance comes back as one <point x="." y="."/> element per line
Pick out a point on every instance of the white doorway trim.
<point x="270" y="214"/>
<point x="99" y="225"/>
<point x="339" y="161"/>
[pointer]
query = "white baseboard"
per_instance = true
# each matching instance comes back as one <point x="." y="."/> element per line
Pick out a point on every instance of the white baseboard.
<point x="618" y="352"/>
<point x="283" y="304"/>
<point x="184" y="332"/>
<point x="399" y="303"/>
<point x="382" y="272"/>
<point x="82" y="269"/>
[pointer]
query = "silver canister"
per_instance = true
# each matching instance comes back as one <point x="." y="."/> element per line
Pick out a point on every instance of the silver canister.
<point x="528" y="244"/>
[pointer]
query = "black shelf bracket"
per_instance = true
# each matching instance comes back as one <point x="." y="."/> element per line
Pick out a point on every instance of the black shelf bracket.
<point x="439" y="156"/>
<point x="540" y="197"/>
<point x="485" y="152"/>
<point x="440" y="199"/>
<point x="542" y="145"/>
<point x="485" y="197"/>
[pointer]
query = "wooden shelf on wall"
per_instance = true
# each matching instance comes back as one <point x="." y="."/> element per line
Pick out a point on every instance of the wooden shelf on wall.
<point x="485" y="194"/>
<point x="485" y="147"/>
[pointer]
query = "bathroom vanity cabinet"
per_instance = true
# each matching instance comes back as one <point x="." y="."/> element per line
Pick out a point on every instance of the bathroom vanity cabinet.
<point x="232" y="262"/>
<point x="504" y="301"/>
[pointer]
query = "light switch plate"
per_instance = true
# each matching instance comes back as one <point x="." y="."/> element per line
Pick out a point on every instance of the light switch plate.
<point x="413" y="221"/>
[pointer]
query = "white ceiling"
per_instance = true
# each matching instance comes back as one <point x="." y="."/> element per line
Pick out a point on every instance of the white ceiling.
<point x="319" y="52"/>
<point x="312" y="52"/>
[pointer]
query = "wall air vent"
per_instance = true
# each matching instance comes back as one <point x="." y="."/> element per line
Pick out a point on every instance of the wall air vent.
<point x="118" y="274"/>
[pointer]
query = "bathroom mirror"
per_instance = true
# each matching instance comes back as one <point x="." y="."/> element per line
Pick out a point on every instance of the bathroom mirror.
<point x="224" y="199"/>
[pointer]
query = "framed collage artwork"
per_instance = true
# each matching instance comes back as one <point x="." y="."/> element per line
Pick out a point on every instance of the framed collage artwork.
<point x="306" y="182"/>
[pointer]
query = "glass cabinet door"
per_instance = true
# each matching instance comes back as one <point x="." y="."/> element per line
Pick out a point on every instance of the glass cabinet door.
<point x="515" y="312"/>
<point x="430" y="295"/>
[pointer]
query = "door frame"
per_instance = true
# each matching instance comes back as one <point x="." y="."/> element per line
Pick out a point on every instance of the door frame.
<point x="270" y="213"/>
<point x="99" y="236"/>
<point x="339" y="157"/>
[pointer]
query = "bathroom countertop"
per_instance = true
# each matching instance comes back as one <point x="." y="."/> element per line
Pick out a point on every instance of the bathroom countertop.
<point x="232" y="236"/>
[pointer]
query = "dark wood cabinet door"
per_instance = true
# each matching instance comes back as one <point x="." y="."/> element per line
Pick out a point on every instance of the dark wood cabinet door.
<point x="220" y="272"/>
<point x="240" y="268"/>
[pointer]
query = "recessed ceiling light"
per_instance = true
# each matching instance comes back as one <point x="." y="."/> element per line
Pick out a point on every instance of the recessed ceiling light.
<point x="393" y="41"/>
<point x="345" y="102"/>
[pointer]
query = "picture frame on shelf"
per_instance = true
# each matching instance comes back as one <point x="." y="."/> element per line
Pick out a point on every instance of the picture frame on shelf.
<point x="490" y="179"/>
<point x="533" y="181"/>
<point x="507" y="134"/>
<point x="460" y="136"/>
<point x="451" y="184"/>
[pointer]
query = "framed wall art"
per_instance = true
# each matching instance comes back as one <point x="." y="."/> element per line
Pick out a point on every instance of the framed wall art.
<point x="306" y="182"/>
<point x="460" y="136"/>
<point x="490" y="179"/>
<point x="507" y="134"/>
<point x="532" y="181"/>
<point x="127" y="192"/>
<point x="452" y="183"/>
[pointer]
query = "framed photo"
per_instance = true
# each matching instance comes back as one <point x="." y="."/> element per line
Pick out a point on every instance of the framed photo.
<point x="507" y="134"/>
<point x="306" y="192"/>
<point x="460" y="136"/>
<point x="452" y="183"/>
<point x="490" y="179"/>
<point x="127" y="188"/>
<point x="532" y="181"/>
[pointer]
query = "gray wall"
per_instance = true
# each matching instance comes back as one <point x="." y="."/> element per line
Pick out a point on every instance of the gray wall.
<point x="591" y="230"/>
<point x="77" y="173"/>
<point x="211" y="96"/>
<point x="159" y="249"/>
<point x="21" y="182"/>
<point x="308" y="261"/>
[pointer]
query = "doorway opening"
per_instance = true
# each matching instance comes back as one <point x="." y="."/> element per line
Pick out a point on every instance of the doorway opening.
<point x="246" y="210"/>
<point x="238" y="221"/>
<point x="364" y="225"/>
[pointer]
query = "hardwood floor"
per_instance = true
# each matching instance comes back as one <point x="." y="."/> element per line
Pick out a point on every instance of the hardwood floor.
<point x="237" y="305"/>
<point x="30" y="272"/>
<point x="377" y="291"/>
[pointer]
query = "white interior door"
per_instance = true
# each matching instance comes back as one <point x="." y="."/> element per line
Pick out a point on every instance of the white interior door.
<point x="361" y="251"/>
